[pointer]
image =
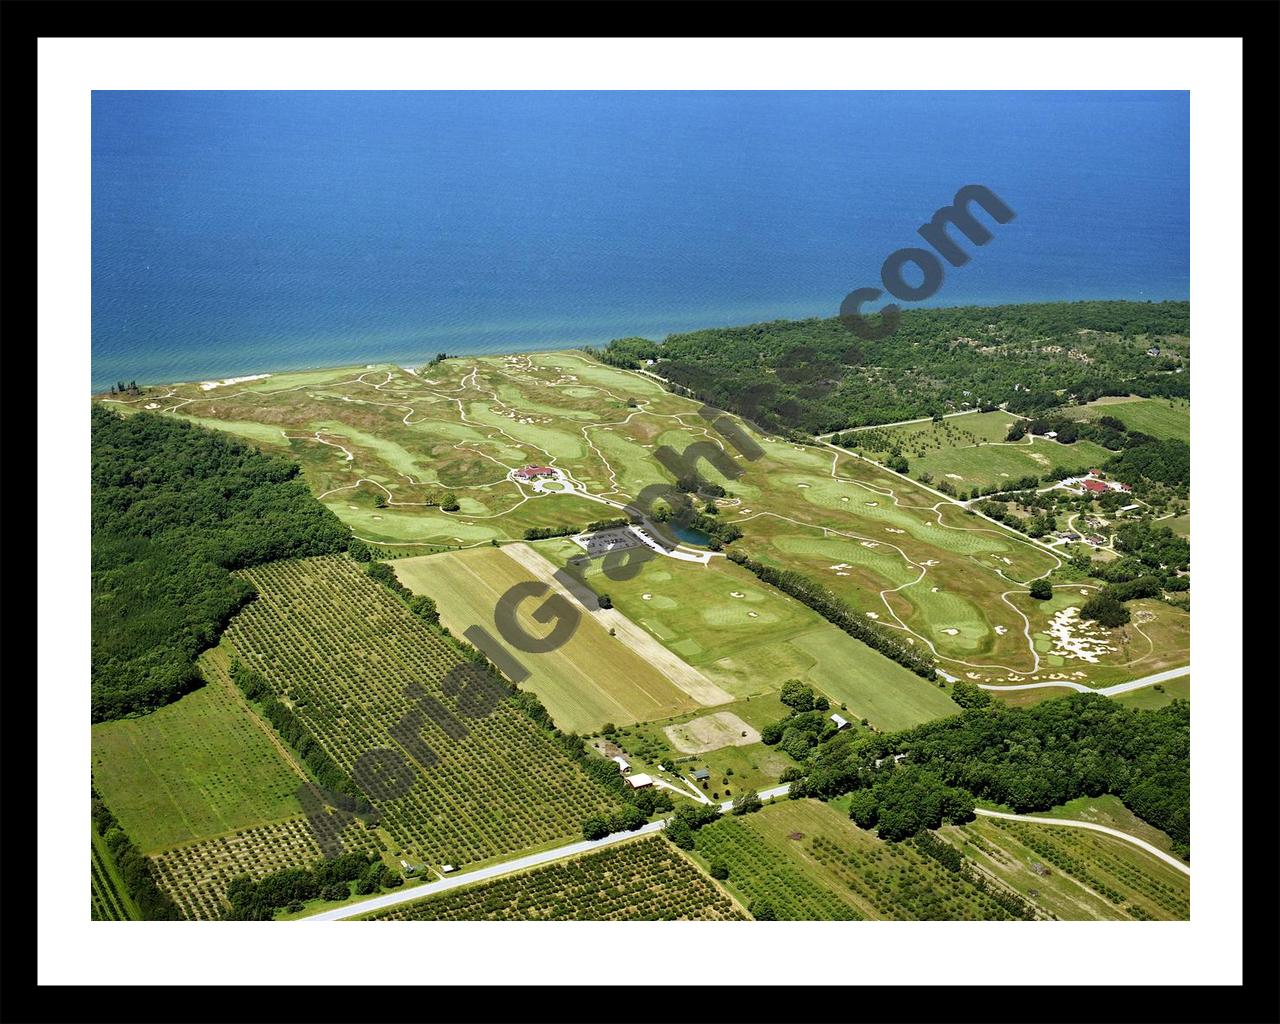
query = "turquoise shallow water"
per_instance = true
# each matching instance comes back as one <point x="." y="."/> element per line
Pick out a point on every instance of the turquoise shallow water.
<point x="244" y="232"/>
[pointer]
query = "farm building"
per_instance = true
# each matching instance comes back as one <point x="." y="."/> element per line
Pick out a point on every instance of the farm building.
<point x="639" y="781"/>
<point x="896" y="759"/>
<point x="841" y="723"/>
<point x="702" y="775"/>
<point x="623" y="764"/>
<point x="1153" y="351"/>
<point x="1098" y="473"/>
<point x="534" y="472"/>
<point x="1094" y="486"/>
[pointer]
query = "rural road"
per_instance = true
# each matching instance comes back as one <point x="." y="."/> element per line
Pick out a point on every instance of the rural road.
<point x="416" y="892"/>
<point x="1106" y="691"/>
<point x="1166" y="857"/>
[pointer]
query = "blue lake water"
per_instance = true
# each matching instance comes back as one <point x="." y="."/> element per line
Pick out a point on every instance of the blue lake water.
<point x="689" y="535"/>
<point x="245" y="232"/>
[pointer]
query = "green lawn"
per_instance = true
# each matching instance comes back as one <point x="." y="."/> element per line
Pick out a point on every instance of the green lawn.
<point x="1159" y="417"/>
<point x="1150" y="697"/>
<point x="197" y="768"/>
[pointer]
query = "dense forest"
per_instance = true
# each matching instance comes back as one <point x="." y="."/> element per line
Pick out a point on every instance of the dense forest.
<point x="1029" y="759"/>
<point x="817" y="376"/>
<point x="175" y="508"/>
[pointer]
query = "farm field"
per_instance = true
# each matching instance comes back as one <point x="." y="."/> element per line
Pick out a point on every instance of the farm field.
<point x="1075" y="874"/>
<point x="592" y="679"/>
<point x="196" y="875"/>
<point x="810" y="862"/>
<point x="109" y="899"/>
<point x="1159" y="417"/>
<point x="749" y="638"/>
<point x="364" y="674"/>
<point x="200" y="767"/>
<point x="646" y="879"/>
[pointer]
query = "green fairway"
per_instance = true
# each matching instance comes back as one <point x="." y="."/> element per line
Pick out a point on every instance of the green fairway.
<point x="1159" y="417"/>
<point x="197" y="768"/>
<point x="750" y="638"/>
<point x="592" y="679"/>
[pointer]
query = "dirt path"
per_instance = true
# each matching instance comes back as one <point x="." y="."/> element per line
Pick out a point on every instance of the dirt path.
<point x="680" y="672"/>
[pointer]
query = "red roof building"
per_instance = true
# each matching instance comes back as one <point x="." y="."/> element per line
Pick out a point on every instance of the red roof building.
<point x="530" y="472"/>
<point x="1096" y="472"/>
<point x="1094" y="486"/>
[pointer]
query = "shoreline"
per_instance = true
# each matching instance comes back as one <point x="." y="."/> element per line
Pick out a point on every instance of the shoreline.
<point x="256" y="371"/>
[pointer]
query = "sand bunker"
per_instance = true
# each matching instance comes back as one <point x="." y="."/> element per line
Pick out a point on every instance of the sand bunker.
<point x="152" y="405"/>
<point x="891" y="529"/>
<point x="753" y="615"/>
<point x="952" y="632"/>
<point x="646" y="597"/>
<point x="872" y="615"/>
<point x="736" y="593"/>
<point x="710" y="732"/>
<point x="955" y="476"/>
<point x="1075" y="638"/>
<point x="1001" y="630"/>
<point x="209" y="385"/>
<point x="802" y="485"/>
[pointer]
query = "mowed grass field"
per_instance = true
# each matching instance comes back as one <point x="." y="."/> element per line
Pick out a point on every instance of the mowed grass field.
<point x="971" y="451"/>
<point x="1150" y="697"/>
<point x="750" y="638"/>
<point x="198" y="768"/>
<point x="1159" y="417"/>
<point x="591" y="680"/>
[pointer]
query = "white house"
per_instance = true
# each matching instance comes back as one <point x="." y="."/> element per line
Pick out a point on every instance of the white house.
<point x="623" y="764"/>
<point x="639" y="781"/>
<point x="841" y="723"/>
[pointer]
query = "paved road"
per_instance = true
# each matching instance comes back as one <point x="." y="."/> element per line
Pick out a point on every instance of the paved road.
<point x="416" y="892"/>
<point x="1106" y="691"/>
<point x="480" y="874"/>
<point x="1155" y="852"/>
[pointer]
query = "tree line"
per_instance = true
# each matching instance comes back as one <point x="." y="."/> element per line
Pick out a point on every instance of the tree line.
<point x="815" y="376"/>
<point x="811" y="593"/>
<point x="290" y="888"/>
<point x="175" y="508"/>
<point x="294" y="732"/>
<point x="135" y="870"/>
<point x="1029" y="759"/>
